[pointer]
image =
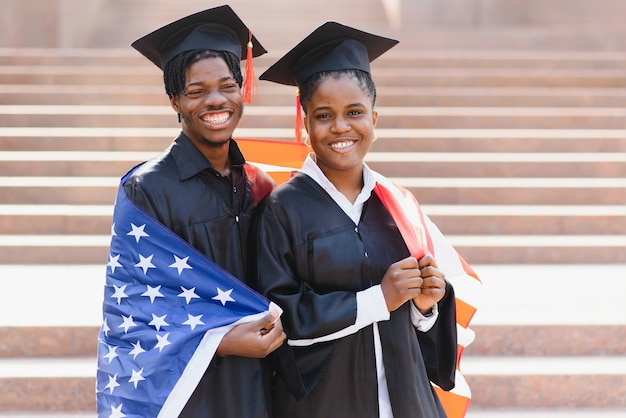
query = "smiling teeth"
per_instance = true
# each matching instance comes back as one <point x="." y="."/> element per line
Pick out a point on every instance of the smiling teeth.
<point x="342" y="144"/>
<point x="216" y="119"/>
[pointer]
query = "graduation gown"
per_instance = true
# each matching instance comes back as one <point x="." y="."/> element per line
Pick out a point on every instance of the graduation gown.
<point x="311" y="259"/>
<point x="184" y="192"/>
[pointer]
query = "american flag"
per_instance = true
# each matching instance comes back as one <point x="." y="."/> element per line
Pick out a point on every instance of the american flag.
<point x="166" y="308"/>
<point x="422" y="237"/>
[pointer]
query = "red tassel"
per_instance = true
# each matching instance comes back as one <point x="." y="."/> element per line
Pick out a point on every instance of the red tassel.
<point x="249" y="81"/>
<point x="298" y="118"/>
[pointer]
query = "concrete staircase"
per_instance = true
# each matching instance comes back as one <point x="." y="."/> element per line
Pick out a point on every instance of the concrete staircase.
<point x="518" y="154"/>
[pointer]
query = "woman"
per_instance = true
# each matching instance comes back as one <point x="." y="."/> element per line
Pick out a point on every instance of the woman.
<point x="368" y="325"/>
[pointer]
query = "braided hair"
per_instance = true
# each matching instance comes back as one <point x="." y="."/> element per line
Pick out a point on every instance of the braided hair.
<point x="175" y="69"/>
<point x="363" y="79"/>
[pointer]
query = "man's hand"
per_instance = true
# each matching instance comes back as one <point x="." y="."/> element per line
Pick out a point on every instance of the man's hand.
<point x="255" y="339"/>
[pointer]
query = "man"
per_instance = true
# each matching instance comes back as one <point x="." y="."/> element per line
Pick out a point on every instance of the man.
<point x="202" y="190"/>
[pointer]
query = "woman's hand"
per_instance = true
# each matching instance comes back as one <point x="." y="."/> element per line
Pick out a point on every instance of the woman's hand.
<point x="402" y="281"/>
<point x="433" y="285"/>
<point x="409" y="279"/>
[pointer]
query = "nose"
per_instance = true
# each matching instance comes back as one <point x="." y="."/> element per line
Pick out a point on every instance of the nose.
<point x="214" y="97"/>
<point x="340" y="125"/>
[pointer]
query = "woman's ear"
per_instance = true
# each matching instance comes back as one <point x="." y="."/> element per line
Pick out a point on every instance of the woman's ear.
<point x="374" y="117"/>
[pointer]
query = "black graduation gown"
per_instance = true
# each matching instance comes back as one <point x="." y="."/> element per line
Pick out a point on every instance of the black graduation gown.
<point x="182" y="190"/>
<point x="311" y="260"/>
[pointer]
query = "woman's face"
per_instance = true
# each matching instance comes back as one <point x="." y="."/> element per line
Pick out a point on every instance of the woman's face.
<point x="211" y="107"/>
<point x="340" y="121"/>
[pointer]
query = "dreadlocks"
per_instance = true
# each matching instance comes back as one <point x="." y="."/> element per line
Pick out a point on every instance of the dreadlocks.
<point x="175" y="69"/>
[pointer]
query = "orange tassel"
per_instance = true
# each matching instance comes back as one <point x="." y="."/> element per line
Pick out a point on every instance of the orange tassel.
<point x="298" y="118"/>
<point x="249" y="81"/>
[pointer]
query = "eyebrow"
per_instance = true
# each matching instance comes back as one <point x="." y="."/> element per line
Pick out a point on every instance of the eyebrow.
<point x="221" y="80"/>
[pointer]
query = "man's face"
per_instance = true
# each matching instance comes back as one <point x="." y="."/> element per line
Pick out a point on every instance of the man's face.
<point x="211" y="105"/>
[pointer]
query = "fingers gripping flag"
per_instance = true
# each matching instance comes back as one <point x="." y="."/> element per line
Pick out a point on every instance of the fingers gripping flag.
<point x="423" y="237"/>
<point x="166" y="308"/>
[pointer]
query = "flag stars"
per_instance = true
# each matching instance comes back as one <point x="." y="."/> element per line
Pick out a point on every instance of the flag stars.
<point x="188" y="294"/>
<point x="127" y="322"/>
<point x="138" y="231"/>
<point x="145" y="263"/>
<point x="111" y="354"/>
<point x="113" y="233"/>
<point x="112" y="383"/>
<point x="193" y="321"/>
<point x="158" y="322"/>
<point x="223" y="296"/>
<point x="114" y="262"/>
<point x="116" y="412"/>
<point x="153" y="292"/>
<point x="137" y="349"/>
<point x="119" y="293"/>
<point x="162" y="341"/>
<point x="105" y="327"/>
<point x="180" y="264"/>
<point x="136" y="377"/>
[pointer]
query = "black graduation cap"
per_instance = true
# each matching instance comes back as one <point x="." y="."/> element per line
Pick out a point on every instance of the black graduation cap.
<point x="330" y="47"/>
<point x="218" y="29"/>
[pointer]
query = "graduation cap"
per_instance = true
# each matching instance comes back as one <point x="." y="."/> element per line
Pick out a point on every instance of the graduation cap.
<point x="330" y="47"/>
<point x="217" y="29"/>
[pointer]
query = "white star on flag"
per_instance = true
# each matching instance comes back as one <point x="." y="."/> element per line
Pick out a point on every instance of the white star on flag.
<point x="180" y="264"/>
<point x="116" y="412"/>
<point x="127" y="322"/>
<point x="223" y="296"/>
<point x="152" y="292"/>
<point x="137" y="349"/>
<point x="189" y="294"/>
<point x="119" y="293"/>
<point x="136" y="377"/>
<point x="193" y="321"/>
<point x="158" y="322"/>
<point x="112" y="383"/>
<point x="137" y="231"/>
<point x="113" y="262"/>
<point x="145" y="263"/>
<point x="111" y="354"/>
<point x="105" y="328"/>
<point x="162" y="341"/>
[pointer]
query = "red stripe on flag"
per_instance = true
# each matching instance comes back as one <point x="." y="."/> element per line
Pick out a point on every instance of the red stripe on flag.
<point x="412" y="237"/>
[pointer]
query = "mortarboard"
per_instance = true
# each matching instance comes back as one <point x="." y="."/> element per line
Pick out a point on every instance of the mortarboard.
<point x="218" y="29"/>
<point x="330" y="47"/>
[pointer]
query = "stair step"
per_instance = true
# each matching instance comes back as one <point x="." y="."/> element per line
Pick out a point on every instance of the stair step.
<point x="452" y="219"/>
<point x="275" y="95"/>
<point x="393" y="164"/>
<point x="530" y="382"/>
<point x="446" y="191"/>
<point x="391" y="117"/>
<point x="533" y="340"/>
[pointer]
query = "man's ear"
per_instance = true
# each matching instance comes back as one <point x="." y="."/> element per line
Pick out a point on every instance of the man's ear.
<point x="175" y="104"/>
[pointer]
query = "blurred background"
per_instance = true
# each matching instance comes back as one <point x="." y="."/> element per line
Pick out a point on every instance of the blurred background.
<point x="506" y="119"/>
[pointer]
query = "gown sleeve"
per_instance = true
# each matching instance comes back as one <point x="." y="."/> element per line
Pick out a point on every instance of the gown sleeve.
<point x="439" y="344"/>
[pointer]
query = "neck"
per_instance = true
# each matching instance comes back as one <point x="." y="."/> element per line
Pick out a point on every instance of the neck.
<point x="219" y="157"/>
<point x="348" y="184"/>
